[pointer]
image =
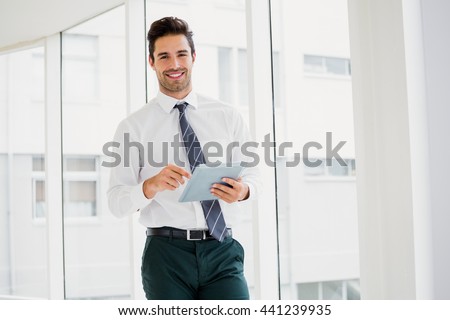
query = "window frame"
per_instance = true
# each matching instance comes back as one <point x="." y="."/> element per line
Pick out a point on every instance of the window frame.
<point x="326" y="73"/>
<point x="84" y="176"/>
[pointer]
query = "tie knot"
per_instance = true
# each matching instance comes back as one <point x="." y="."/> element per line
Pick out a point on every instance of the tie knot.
<point x="181" y="106"/>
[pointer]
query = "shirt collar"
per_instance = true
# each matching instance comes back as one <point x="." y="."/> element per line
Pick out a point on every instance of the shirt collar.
<point x="167" y="103"/>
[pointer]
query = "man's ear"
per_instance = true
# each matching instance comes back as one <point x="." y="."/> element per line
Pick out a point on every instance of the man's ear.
<point x="151" y="62"/>
<point x="193" y="57"/>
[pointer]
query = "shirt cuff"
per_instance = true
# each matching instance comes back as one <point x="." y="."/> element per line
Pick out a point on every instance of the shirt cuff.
<point x="251" y="192"/>
<point x="138" y="198"/>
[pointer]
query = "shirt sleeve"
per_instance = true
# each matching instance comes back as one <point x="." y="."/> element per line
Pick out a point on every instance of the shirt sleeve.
<point x="246" y="153"/>
<point x="125" y="193"/>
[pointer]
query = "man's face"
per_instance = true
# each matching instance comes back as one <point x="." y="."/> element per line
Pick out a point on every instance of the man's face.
<point x="173" y="63"/>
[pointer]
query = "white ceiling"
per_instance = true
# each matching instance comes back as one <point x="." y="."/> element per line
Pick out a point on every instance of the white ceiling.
<point x="22" y="21"/>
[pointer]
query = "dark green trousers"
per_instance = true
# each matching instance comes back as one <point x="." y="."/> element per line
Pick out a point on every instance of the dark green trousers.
<point x="178" y="269"/>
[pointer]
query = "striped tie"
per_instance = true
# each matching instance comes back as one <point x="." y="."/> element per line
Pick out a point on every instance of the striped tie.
<point x="211" y="208"/>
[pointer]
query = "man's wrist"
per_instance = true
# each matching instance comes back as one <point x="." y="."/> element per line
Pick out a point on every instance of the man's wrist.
<point x="247" y="193"/>
<point x="148" y="191"/>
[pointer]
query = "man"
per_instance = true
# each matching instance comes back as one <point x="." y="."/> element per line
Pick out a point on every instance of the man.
<point x="190" y="252"/>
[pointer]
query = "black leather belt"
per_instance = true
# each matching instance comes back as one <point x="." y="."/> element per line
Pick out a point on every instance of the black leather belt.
<point x="192" y="235"/>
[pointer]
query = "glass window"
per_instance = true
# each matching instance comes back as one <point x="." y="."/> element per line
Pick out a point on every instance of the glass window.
<point x="329" y="290"/>
<point x="326" y="65"/>
<point x="353" y="290"/>
<point x="38" y="186"/>
<point x="337" y="169"/>
<point x="38" y="163"/>
<point x="23" y="241"/>
<point x="80" y="68"/>
<point x="315" y="168"/>
<point x="314" y="64"/>
<point x="352" y="164"/>
<point x="317" y="221"/>
<point x="96" y="244"/>
<point x="308" y="291"/>
<point x="243" y="77"/>
<point x="232" y="76"/>
<point x="80" y="164"/>
<point x="39" y="210"/>
<point x="220" y="71"/>
<point x="337" y="66"/>
<point x="80" y="199"/>
<point x="38" y="73"/>
<point x="225" y="74"/>
<point x="332" y="290"/>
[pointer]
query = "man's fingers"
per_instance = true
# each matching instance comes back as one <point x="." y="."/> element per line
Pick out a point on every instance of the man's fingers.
<point x="222" y="187"/>
<point x="173" y="175"/>
<point x="171" y="184"/>
<point x="231" y="182"/>
<point x="234" y="191"/>
<point x="222" y="195"/>
<point x="176" y="176"/>
<point x="233" y="185"/>
<point x="178" y="170"/>
<point x="225" y="193"/>
<point x="169" y="178"/>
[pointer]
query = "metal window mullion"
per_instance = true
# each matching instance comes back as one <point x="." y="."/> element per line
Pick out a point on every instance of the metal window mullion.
<point x="320" y="290"/>
<point x="265" y="223"/>
<point x="10" y="171"/>
<point x="235" y="75"/>
<point x="344" y="290"/>
<point x="53" y="168"/>
<point x="136" y="56"/>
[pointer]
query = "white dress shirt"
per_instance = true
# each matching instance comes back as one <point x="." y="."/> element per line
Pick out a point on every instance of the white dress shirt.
<point x="154" y="126"/>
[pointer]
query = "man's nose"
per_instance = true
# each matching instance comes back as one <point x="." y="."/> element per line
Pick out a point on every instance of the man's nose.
<point x="175" y="63"/>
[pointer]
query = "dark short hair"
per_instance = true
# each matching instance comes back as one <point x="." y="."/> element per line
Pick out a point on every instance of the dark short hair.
<point x="168" y="26"/>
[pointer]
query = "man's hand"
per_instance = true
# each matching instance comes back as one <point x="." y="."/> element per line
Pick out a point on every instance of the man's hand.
<point x="168" y="178"/>
<point x="239" y="191"/>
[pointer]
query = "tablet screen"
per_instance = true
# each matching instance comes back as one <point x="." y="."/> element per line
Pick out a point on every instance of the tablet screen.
<point x="198" y="187"/>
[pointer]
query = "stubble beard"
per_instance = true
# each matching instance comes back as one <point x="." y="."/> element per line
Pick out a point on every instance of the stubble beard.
<point x="175" y="86"/>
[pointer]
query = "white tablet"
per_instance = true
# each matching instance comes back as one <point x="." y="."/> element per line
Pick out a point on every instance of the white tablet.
<point x="198" y="187"/>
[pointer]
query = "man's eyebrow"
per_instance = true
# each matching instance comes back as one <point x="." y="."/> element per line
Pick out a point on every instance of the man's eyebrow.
<point x="178" y="52"/>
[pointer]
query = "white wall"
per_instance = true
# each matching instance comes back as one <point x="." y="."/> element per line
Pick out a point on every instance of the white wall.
<point x="436" y="26"/>
<point x="384" y="178"/>
<point x="400" y="53"/>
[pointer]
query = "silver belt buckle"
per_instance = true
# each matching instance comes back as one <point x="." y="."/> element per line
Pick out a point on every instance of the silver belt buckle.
<point x="188" y="235"/>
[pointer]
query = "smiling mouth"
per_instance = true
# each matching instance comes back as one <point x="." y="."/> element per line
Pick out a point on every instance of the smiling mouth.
<point x="175" y="75"/>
